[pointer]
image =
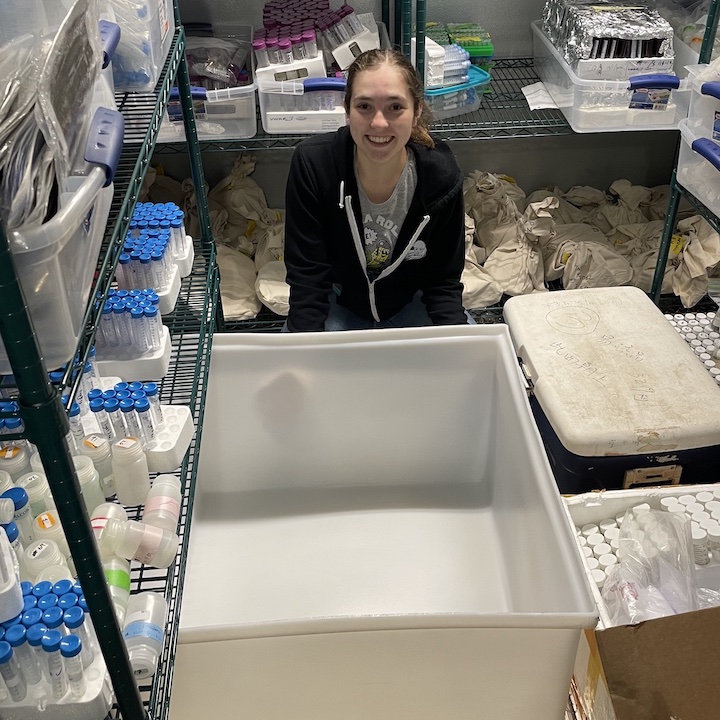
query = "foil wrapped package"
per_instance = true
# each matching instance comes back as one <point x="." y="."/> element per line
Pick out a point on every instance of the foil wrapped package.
<point x="600" y="30"/>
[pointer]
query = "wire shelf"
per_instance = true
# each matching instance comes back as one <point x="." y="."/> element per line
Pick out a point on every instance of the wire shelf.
<point x="504" y="113"/>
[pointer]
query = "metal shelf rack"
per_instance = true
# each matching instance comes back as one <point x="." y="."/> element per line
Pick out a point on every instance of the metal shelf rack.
<point x="504" y="113"/>
<point x="45" y="419"/>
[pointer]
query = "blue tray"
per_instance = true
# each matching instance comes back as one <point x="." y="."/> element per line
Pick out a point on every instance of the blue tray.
<point x="476" y="77"/>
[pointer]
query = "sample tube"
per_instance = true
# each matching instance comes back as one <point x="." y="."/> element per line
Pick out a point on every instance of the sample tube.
<point x="11" y="673"/>
<point x="26" y="657"/>
<point x="261" y="54"/>
<point x="70" y="649"/>
<point x="152" y="393"/>
<point x="144" y="416"/>
<point x="55" y="665"/>
<point x="74" y="619"/>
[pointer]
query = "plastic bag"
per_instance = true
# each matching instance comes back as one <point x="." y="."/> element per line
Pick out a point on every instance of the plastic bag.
<point x="655" y="575"/>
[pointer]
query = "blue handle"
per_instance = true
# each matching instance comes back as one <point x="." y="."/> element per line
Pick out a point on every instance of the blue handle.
<point x="709" y="150"/>
<point x="667" y="82"/>
<point x="311" y="84"/>
<point x="109" y="37"/>
<point x="105" y="141"/>
<point x="711" y="88"/>
<point x="197" y="93"/>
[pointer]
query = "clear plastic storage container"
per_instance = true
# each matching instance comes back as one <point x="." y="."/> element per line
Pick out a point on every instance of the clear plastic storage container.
<point x="698" y="167"/>
<point x="605" y="105"/>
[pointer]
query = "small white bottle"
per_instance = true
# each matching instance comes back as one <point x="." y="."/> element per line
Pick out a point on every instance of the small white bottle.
<point x="133" y="540"/>
<point x="97" y="448"/>
<point x="162" y="507"/>
<point x="41" y="555"/>
<point x="117" y="574"/>
<point x="89" y="482"/>
<point x="143" y="632"/>
<point x="6" y="481"/>
<point x="15" y="460"/>
<point x="130" y="470"/>
<point x="35" y="485"/>
<point x="46" y="526"/>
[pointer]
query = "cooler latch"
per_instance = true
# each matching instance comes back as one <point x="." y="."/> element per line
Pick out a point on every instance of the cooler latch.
<point x="526" y="378"/>
<point x="641" y="477"/>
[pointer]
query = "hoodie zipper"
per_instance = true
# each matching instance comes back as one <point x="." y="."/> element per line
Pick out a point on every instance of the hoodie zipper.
<point x="355" y="232"/>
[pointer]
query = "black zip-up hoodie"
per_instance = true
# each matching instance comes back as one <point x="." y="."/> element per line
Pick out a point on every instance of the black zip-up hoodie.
<point x="324" y="237"/>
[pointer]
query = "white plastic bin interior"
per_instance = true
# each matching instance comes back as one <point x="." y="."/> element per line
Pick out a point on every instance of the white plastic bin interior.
<point x="387" y="535"/>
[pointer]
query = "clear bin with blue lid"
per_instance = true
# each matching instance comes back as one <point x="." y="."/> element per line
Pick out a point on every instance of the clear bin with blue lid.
<point x="452" y="100"/>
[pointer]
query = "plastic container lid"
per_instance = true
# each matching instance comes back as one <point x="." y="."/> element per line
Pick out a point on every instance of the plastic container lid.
<point x="67" y="601"/>
<point x="476" y="78"/>
<point x="12" y="532"/>
<point x="14" y="620"/>
<point x="74" y="617"/>
<point x="127" y="405"/>
<point x="47" y="601"/>
<point x="29" y="602"/>
<point x="51" y="640"/>
<point x="77" y="588"/>
<point x="42" y="588"/>
<point x="6" y="652"/>
<point x="15" y="635"/>
<point x="18" y="496"/>
<point x="25" y="585"/>
<point x="53" y="617"/>
<point x="70" y="646"/>
<point x="150" y="388"/>
<point x="31" y="617"/>
<point x="35" y="634"/>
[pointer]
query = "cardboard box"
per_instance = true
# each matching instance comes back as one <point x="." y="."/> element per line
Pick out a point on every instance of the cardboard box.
<point x="665" y="668"/>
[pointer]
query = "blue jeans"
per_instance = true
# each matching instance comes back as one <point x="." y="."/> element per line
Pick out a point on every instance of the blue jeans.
<point x="413" y="314"/>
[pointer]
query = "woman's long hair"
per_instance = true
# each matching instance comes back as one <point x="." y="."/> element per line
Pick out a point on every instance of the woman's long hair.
<point x="377" y="58"/>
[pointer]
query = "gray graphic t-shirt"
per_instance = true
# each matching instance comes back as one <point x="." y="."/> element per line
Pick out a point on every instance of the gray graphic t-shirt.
<point x="382" y="221"/>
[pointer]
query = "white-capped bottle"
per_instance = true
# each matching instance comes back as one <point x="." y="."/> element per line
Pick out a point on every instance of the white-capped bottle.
<point x="143" y="632"/>
<point x="15" y="460"/>
<point x="43" y="555"/>
<point x="35" y="485"/>
<point x="133" y="540"/>
<point x="89" y="482"/>
<point x="162" y="507"/>
<point x="130" y="470"/>
<point x="97" y="448"/>
<point x="46" y="526"/>
<point x="117" y="575"/>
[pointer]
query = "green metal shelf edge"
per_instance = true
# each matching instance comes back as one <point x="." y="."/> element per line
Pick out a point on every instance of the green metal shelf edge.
<point x="504" y="113"/>
<point x="711" y="218"/>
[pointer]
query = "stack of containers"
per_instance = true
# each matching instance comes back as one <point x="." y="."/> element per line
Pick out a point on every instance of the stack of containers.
<point x="699" y="158"/>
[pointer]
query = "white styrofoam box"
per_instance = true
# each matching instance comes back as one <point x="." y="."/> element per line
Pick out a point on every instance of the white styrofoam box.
<point x="169" y="296"/>
<point x="388" y="531"/>
<point x="125" y="364"/>
<point x="598" y="105"/>
<point x="297" y="70"/>
<point x="95" y="704"/>
<point x="611" y="374"/>
<point x="55" y="263"/>
<point x="172" y="439"/>
<point x="346" y="53"/>
<point x="593" y="507"/>
<point x="315" y="106"/>
<point x="704" y="114"/>
<point x="434" y="62"/>
<point x="695" y="172"/>
<point x="185" y="262"/>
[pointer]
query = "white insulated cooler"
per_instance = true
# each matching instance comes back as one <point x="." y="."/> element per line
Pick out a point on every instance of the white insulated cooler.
<point x="619" y="397"/>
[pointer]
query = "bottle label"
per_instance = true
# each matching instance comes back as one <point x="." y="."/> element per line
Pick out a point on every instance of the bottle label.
<point x="149" y="544"/>
<point x="93" y="441"/>
<point x="10" y="451"/>
<point x="126" y="443"/>
<point x="46" y="520"/>
<point x="118" y="578"/>
<point x="143" y="629"/>
<point x="160" y="502"/>
<point x="38" y="549"/>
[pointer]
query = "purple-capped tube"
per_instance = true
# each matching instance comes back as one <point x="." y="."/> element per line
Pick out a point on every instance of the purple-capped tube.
<point x="310" y="42"/>
<point x="260" y="52"/>
<point x="154" y="328"/>
<point x="339" y="28"/>
<point x="351" y="20"/>
<point x="285" y="51"/>
<point x="271" y="45"/>
<point x="298" y="46"/>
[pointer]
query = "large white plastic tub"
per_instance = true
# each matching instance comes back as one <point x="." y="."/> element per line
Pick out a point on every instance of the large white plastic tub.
<point x="377" y="534"/>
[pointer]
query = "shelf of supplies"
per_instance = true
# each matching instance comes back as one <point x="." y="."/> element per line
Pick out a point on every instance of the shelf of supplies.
<point x="190" y="327"/>
<point x="504" y="113"/>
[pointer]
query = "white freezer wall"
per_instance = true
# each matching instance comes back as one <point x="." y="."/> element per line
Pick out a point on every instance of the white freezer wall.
<point x="507" y="22"/>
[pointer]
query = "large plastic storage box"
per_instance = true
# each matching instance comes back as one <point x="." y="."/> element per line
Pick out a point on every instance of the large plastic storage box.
<point x="55" y="261"/>
<point x="619" y="396"/>
<point x="448" y="102"/>
<point x="698" y="167"/>
<point x="704" y="113"/>
<point x="599" y="105"/>
<point x="376" y="534"/>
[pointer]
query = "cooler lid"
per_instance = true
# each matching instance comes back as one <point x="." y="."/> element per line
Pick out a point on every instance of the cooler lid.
<point x="611" y="374"/>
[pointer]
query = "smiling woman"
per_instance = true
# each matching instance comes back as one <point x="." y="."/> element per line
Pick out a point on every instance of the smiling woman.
<point x="374" y="212"/>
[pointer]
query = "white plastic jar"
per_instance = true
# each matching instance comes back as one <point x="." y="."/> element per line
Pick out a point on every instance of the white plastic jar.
<point x="97" y="448"/>
<point x="41" y="555"/>
<point x="133" y="540"/>
<point x="14" y="460"/>
<point x="35" y="485"/>
<point x="89" y="482"/>
<point x="130" y="470"/>
<point x="117" y="574"/>
<point x="46" y="526"/>
<point x="143" y="632"/>
<point x="162" y="507"/>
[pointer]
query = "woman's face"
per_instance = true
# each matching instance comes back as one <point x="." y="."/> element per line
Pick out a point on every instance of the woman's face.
<point x="381" y="115"/>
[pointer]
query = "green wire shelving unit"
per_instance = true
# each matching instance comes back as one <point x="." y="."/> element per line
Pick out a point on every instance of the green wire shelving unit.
<point x="44" y="416"/>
